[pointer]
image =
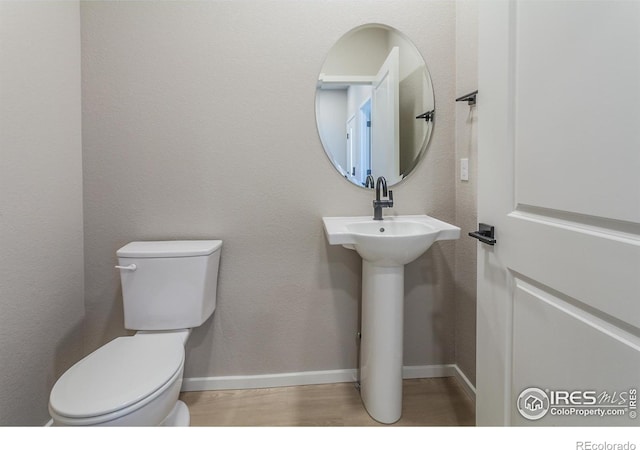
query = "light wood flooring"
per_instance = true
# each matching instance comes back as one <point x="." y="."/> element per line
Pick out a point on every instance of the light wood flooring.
<point x="426" y="402"/>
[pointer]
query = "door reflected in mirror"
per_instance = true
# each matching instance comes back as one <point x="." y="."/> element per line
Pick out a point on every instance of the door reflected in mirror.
<point x="372" y="88"/>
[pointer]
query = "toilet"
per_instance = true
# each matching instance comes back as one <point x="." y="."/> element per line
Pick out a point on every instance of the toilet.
<point x="168" y="288"/>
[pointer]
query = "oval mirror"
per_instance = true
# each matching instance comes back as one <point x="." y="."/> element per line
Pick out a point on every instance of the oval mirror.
<point x="374" y="105"/>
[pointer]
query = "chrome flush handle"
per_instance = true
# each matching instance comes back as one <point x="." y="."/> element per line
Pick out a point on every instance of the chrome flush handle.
<point x="130" y="267"/>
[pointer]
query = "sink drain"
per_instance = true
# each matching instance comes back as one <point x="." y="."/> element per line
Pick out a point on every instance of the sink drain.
<point x="381" y="229"/>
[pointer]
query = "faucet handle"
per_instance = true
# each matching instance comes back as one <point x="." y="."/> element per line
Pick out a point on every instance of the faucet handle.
<point x="390" y="198"/>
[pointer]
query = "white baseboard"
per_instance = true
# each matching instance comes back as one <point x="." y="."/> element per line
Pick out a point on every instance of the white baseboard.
<point x="269" y="380"/>
<point x="431" y="371"/>
<point x="468" y="387"/>
<point x="318" y="377"/>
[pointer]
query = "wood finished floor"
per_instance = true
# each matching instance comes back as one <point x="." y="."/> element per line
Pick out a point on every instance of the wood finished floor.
<point x="426" y="402"/>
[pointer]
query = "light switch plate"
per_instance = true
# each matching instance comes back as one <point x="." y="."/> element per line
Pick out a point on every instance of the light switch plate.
<point x="464" y="169"/>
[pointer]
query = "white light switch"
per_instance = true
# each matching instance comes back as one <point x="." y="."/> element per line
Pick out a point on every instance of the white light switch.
<point x="464" y="169"/>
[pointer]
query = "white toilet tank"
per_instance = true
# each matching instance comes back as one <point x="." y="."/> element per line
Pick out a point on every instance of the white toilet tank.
<point x="168" y="285"/>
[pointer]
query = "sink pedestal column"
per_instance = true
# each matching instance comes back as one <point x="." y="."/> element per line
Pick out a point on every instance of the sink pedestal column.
<point x="381" y="346"/>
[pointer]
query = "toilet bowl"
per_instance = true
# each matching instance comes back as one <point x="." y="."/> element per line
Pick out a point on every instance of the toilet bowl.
<point x="132" y="381"/>
<point x="168" y="288"/>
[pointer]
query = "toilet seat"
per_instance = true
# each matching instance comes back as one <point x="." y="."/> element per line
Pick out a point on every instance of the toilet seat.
<point x="118" y="378"/>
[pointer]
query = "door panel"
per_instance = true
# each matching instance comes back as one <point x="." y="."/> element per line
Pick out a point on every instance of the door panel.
<point x="576" y="90"/>
<point x="605" y="361"/>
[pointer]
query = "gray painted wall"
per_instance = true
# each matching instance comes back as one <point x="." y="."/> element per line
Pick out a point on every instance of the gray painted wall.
<point x="466" y="191"/>
<point x="198" y="122"/>
<point x="41" y="263"/>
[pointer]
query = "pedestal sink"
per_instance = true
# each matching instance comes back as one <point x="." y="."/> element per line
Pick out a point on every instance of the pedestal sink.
<point x="385" y="247"/>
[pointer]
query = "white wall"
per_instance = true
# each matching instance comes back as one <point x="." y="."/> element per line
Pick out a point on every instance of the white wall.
<point x="331" y="115"/>
<point x="361" y="54"/>
<point x="41" y="262"/>
<point x="198" y="122"/>
<point x="356" y="96"/>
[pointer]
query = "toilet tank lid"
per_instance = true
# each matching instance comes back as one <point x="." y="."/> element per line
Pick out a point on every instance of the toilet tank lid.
<point x="168" y="249"/>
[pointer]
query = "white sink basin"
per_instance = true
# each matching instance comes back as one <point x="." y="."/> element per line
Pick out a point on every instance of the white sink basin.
<point x="394" y="241"/>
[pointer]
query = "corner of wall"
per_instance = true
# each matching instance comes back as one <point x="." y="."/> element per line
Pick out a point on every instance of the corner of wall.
<point x="465" y="191"/>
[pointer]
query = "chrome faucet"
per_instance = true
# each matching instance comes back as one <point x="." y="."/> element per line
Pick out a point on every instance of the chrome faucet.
<point x="379" y="204"/>
<point x="370" y="183"/>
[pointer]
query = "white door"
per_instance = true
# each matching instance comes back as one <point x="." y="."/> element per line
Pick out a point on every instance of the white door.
<point x="385" y="119"/>
<point x="559" y="178"/>
<point x="351" y="157"/>
<point x="364" y="124"/>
